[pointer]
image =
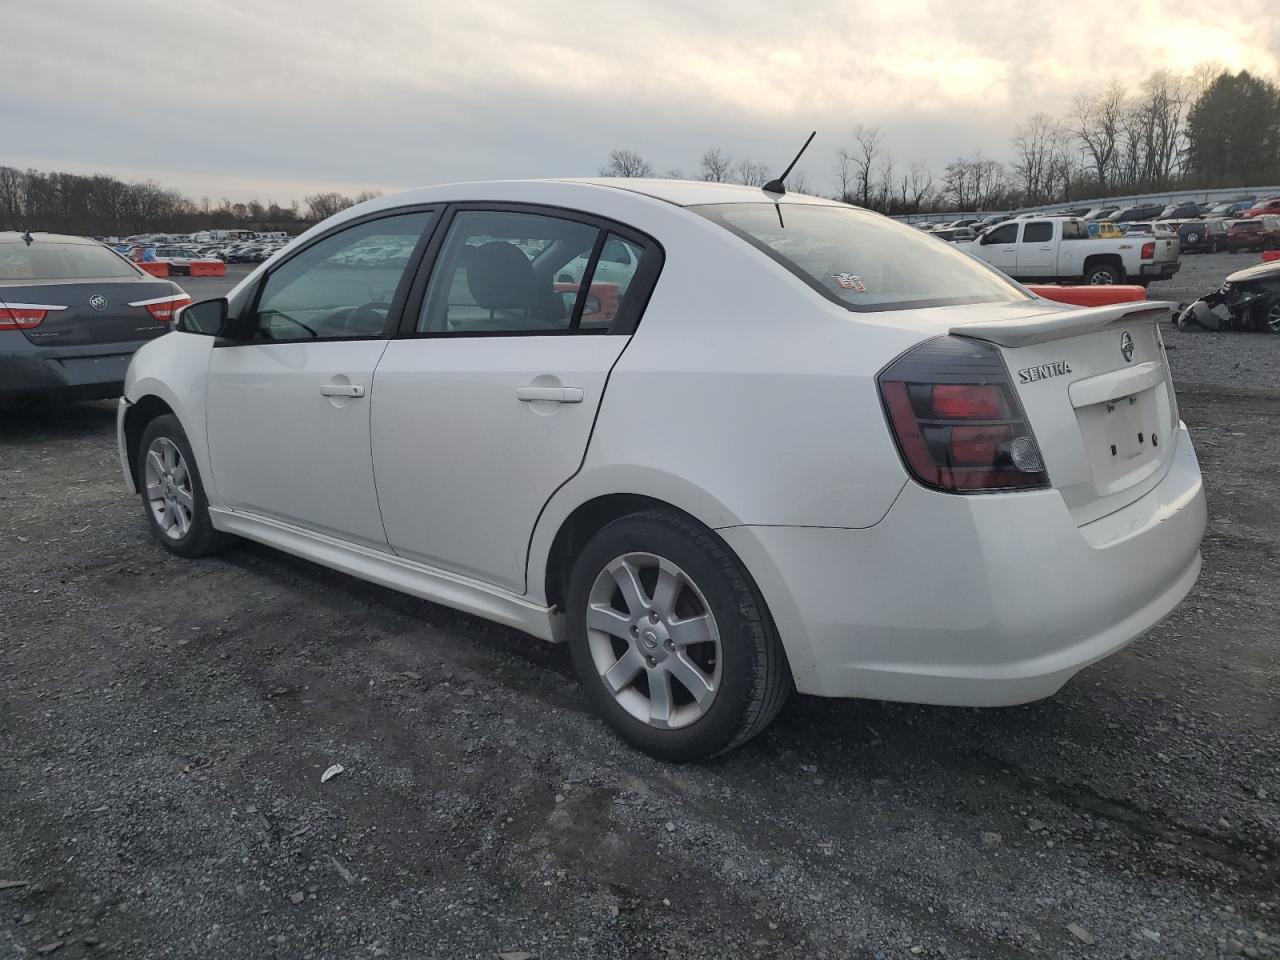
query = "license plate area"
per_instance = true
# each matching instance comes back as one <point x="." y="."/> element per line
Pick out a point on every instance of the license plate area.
<point x="1123" y="438"/>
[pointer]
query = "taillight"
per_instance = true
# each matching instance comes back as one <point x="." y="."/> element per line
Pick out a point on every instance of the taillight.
<point x="163" y="308"/>
<point x="1148" y="250"/>
<point x="957" y="421"/>
<point x="25" y="316"/>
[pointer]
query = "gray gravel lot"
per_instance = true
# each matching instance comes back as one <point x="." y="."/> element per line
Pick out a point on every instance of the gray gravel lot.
<point x="164" y="725"/>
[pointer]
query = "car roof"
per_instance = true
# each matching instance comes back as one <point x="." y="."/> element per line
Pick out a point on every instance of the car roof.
<point x="13" y="236"/>
<point x="687" y="193"/>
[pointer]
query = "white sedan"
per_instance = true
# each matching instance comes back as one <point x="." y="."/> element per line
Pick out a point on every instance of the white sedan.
<point x="794" y="445"/>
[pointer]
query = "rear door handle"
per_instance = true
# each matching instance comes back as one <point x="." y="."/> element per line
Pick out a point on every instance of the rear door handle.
<point x="342" y="390"/>
<point x="552" y="394"/>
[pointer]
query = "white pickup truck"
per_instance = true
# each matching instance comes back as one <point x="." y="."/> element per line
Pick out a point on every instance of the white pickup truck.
<point x="1059" y="250"/>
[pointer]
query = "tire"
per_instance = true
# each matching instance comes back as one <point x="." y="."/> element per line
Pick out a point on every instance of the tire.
<point x="1103" y="274"/>
<point x="1192" y="238"/>
<point x="741" y="669"/>
<point x="172" y="494"/>
<point x="1266" y="316"/>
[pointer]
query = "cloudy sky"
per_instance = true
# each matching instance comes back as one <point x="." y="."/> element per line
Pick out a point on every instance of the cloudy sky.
<point x="274" y="99"/>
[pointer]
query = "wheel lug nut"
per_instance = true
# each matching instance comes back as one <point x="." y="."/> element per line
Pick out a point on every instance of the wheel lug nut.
<point x="653" y="616"/>
<point x="669" y="645"/>
<point x="653" y="662"/>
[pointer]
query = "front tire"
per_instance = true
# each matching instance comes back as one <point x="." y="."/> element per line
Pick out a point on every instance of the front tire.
<point x="671" y="639"/>
<point x="173" y="496"/>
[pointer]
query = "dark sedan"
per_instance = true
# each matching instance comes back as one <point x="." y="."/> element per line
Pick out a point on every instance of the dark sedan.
<point x="72" y="312"/>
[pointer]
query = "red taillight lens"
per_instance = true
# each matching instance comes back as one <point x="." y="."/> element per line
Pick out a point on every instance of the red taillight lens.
<point x="966" y="401"/>
<point x="1148" y="250"/>
<point x="163" y="308"/>
<point x="957" y="420"/>
<point x="22" y="318"/>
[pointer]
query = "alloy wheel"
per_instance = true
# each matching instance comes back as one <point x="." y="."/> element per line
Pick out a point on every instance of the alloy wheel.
<point x="654" y="641"/>
<point x="168" y="488"/>
<point x="1101" y="277"/>
<point x="1273" y="317"/>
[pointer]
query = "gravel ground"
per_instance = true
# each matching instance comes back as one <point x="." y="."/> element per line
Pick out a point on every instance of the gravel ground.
<point x="164" y="725"/>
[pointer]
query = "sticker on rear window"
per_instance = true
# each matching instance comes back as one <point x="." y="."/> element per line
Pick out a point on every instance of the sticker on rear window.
<point x="849" y="281"/>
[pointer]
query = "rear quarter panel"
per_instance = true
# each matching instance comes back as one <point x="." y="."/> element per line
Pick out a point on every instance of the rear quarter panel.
<point x="744" y="397"/>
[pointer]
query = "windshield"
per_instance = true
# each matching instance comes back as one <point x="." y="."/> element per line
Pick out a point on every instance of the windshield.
<point x="862" y="260"/>
<point x="60" y="261"/>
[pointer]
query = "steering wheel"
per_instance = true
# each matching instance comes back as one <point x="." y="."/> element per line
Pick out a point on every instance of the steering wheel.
<point x="367" y="319"/>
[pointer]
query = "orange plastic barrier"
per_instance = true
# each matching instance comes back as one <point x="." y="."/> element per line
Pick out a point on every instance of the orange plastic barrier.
<point x="1100" y="295"/>
<point x="208" y="268"/>
<point x="1269" y="255"/>
<point x="154" y="267"/>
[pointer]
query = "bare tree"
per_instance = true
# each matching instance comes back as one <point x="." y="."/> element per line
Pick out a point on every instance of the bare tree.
<point x="626" y="163"/>
<point x="1096" y="122"/>
<point x="750" y="173"/>
<point x="320" y="206"/>
<point x="868" y="141"/>
<point x="844" y="176"/>
<point x="364" y="195"/>
<point x="674" y="173"/>
<point x="717" y="166"/>
<point x="797" y="182"/>
<point x="884" y="184"/>
<point x="1033" y="143"/>
<point x="918" y="189"/>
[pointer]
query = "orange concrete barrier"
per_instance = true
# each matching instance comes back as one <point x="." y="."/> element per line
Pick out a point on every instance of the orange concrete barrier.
<point x="208" y="268"/>
<point x="1101" y="295"/>
<point x="154" y="267"/>
<point x="1269" y="255"/>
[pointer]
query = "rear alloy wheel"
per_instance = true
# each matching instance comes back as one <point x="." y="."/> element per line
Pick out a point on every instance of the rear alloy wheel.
<point x="1103" y="274"/>
<point x="1193" y="238"/>
<point x="172" y="493"/>
<point x="1271" y="317"/>
<point x="671" y="640"/>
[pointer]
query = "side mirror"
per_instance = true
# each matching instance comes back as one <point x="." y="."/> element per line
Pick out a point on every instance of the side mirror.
<point x="208" y="318"/>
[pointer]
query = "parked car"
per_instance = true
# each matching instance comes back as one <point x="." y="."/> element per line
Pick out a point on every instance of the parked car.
<point x="958" y="235"/>
<point x="1271" y="229"/>
<point x="1100" y="213"/>
<point x="72" y="312"/>
<point x="666" y="495"/>
<point x="1131" y="214"/>
<point x="1269" y="205"/>
<point x="1180" y="211"/>
<point x="1104" y="230"/>
<point x="1202" y="236"/>
<point x="1229" y="209"/>
<point x="1061" y="250"/>
<point x="1247" y="235"/>
<point x="1149" y="228"/>
<point x="1249" y="298"/>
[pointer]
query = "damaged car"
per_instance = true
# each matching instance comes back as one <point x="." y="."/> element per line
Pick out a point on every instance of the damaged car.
<point x="1248" y="299"/>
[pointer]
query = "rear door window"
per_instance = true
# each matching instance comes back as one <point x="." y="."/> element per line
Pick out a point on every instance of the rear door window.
<point x="1038" y="231"/>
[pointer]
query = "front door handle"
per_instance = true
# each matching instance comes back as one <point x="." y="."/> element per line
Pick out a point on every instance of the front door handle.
<point x="552" y="394"/>
<point x="342" y="390"/>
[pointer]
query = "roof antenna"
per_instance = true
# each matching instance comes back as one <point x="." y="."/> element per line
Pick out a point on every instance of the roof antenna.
<point x="27" y="238"/>
<point x="776" y="186"/>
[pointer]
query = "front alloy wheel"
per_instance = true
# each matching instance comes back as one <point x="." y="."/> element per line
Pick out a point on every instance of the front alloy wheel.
<point x="654" y="641"/>
<point x="168" y="488"/>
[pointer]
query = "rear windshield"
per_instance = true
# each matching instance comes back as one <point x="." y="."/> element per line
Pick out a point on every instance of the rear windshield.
<point x="862" y="260"/>
<point x="60" y="261"/>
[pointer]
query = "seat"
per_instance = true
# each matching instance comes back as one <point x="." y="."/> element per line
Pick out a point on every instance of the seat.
<point x="500" y="277"/>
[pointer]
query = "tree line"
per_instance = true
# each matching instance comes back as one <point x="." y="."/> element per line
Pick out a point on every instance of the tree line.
<point x="104" y="206"/>
<point x="1205" y="129"/>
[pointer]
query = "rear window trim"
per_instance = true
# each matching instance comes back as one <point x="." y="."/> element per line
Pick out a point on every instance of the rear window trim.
<point x="812" y="282"/>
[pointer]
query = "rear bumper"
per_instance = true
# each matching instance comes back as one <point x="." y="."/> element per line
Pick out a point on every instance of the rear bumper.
<point x="1160" y="271"/>
<point x="31" y="373"/>
<point x="976" y="601"/>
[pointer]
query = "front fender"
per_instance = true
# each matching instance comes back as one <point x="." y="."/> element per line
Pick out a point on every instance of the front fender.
<point x="175" y="369"/>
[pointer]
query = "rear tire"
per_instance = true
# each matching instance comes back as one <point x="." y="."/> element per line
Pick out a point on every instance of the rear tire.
<point x="671" y="640"/>
<point x="1100" y="274"/>
<point x="172" y="493"/>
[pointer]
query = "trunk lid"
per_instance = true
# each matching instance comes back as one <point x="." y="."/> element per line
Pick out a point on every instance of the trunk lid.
<point x="86" y="312"/>
<point x="1095" y="386"/>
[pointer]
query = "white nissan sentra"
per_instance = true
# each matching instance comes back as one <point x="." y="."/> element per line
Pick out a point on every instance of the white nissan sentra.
<point x="724" y="443"/>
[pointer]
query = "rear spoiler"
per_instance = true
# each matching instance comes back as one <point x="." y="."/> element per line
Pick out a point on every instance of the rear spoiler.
<point x="1063" y="324"/>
